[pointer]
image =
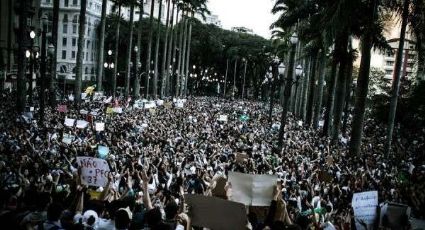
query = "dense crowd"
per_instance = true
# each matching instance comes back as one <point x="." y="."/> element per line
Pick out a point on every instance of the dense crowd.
<point x="158" y="155"/>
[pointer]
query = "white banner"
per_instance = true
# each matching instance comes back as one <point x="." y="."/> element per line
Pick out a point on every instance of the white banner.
<point x="222" y="118"/>
<point x="254" y="190"/>
<point x="99" y="126"/>
<point x="69" y="122"/>
<point x="364" y="205"/>
<point x="94" y="171"/>
<point x="82" y="124"/>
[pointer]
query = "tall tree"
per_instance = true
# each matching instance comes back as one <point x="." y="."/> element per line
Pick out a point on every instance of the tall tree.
<point x="149" y="51"/>
<point x="183" y="54"/>
<point x="118" y="4"/>
<point x="101" y="46"/>
<point x="136" y="83"/>
<point x="396" y="80"/>
<point x="52" y="91"/>
<point x="311" y="90"/>
<point x="180" y="49"/>
<point x="331" y="95"/>
<point x="129" y="50"/>
<point x="158" y="35"/>
<point x="320" y="85"/>
<point x="164" y="72"/>
<point x="22" y="61"/>
<point x="80" y="52"/>
<point x="171" y="49"/>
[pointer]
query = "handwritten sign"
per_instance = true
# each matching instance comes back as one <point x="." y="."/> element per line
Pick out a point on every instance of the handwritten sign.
<point x="67" y="138"/>
<point x="364" y="205"/>
<point x="82" y="124"/>
<point x="94" y="171"/>
<point x="214" y="213"/>
<point x="99" y="126"/>
<point x="254" y="190"/>
<point x="69" y="122"/>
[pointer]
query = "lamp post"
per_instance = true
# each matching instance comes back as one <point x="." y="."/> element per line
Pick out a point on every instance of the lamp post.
<point x="234" y="79"/>
<point x="109" y="65"/>
<point x="273" y="76"/>
<point x="288" y="87"/>
<point x="225" y="78"/>
<point x="43" y="67"/>
<point x="298" y="73"/>
<point x="33" y="55"/>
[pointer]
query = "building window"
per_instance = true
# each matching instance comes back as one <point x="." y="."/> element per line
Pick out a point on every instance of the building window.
<point x="48" y="1"/>
<point x="389" y="72"/>
<point x="390" y="63"/>
<point x="66" y="3"/>
<point x="74" y="28"/>
<point x="73" y="54"/>
<point x="65" y="28"/>
<point x="74" y="42"/>
<point x="75" y="2"/>
<point x="64" y="41"/>
<point x="87" y="56"/>
<point x="88" y="44"/>
<point x="63" y="54"/>
<point x="86" y="70"/>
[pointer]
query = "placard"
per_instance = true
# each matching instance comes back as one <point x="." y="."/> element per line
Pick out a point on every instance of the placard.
<point x="160" y="102"/>
<point x="222" y="118"/>
<point x="67" y="138"/>
<point x="364" y="205"/>
<point x="82" y="124"/>
<point x="84" y="112"/>
<point x="99" y="126"/>
<point x="103" y="151"/>
<point x="254" y="190"/>
<point x="394" y="215"/>
<point x="94" y="171"/>
<point x="216" y="213"/>
<point x="69" y="122"/>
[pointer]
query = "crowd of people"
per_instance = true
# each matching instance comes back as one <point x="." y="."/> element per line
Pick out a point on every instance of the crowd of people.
<point x="157" y="155"/>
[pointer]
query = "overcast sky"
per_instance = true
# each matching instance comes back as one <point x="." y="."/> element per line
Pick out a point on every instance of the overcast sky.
<point x="253" y="14"/>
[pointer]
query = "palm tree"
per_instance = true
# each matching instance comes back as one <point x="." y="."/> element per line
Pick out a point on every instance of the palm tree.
<point x="22" y="62"/>
<point x="318" y="101"/>
<point x="183" y="53"/>
<point x="80" y="51"/>
<point x="158" y="35"/>
<point x="129" y="49"/>
<point x="118" y="4"/>
<point x="52" y="93"/>
<point x="171" y="48"/>
<point x="164" y="72"/>
<point x="101" y="46"/>
<point x="180" y="49"/>
<point x="331" y="95"/>
<point x="149" y="51"/>
<point x="136" y="83"/>
<point x="311" y="89"/>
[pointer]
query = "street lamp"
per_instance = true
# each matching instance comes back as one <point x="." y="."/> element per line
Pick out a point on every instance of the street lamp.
<point x="244" y="75"/>
<point x="288" y="86"/>
<point x="275" y="69"/>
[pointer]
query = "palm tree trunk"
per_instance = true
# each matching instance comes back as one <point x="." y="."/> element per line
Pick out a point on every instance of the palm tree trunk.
<point x="52" y="93"/>
<point x="300" y="92"/>
<point x="183" y="56"/>
<point x="340" y="88"/>
<point x="311" y="93"/>
<point x="319" y="98"/>
<point x="421" y="58"/>
<point x="117" y="42"/>
<point x="168" y="65"/>
<point x="158" y="35"/>
<point x="305" y="89"/>
<point x="178" y="71"/>
<point x="164" y="71"/>
<point x="101" y="46"/>
<point x="331" y="97"/>
<point x="348" y="86"/>
<point x="80" y="52"/>
<point x="22" y="61"/>
<point x="136" y="83"/>
<point x="129" y="51"/>
<point x="396" y="81"/>
<point x="149" y="51"/>
<point x="189" y="42"/>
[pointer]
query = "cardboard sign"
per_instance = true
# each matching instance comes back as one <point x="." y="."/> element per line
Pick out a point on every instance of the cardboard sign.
<point x="69" y="122"/>
<point x="82" y="124"/>
<point x="67" y="138"/>
<point x="364" y="205"/>
<point x="393" y="215"/>
<point x="62" y="109"/>
<point x="216" y="213"/>
<point x="254" y="190"/>
<point x="94" y="171"/>
<point x="99" y="126"/>
<point x="222" y="118"/>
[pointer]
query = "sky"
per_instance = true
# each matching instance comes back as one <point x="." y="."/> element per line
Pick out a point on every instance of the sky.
<point x="253" y="14"/>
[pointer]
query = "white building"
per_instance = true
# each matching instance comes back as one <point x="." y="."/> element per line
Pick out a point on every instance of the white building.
<point x="210" y="19"/>
<point x="67" y="46"/>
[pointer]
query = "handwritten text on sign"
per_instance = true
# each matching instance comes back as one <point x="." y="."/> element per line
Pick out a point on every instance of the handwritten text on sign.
<point x="94" y="171"/>
<point x="364" y="206"/>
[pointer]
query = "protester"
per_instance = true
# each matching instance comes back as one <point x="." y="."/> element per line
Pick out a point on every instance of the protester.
<point x="158" y="155"/>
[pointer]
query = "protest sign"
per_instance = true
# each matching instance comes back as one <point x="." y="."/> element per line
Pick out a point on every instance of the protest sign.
<point x="99" y="126"/>
<point x="216" y="213"/>
<point x="160" y="102"/>
<point x="83" y="96"/>
<point x="393" y="215"/>
<point x="84" y="112"/>
<point x="150" y="105"/>
<point x="71" y="97"/>
<point x="62" y="109"/>
<point x="82" y="124"/>
<point x="364" y="205"/>
<point x="94" y="171"/>
<point x="108" y="100"/>
<point x="179" y="104"/>
<point x="254" y="190"/>
<point x="31" y="109"/>
<point x="67" y="138"/>
<point x="300" y="123"/>
<point x="117" y="110"/>
<point x="103" y="151"/>
<point x="69" y="122"/>
<point x="222" y="118"/>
